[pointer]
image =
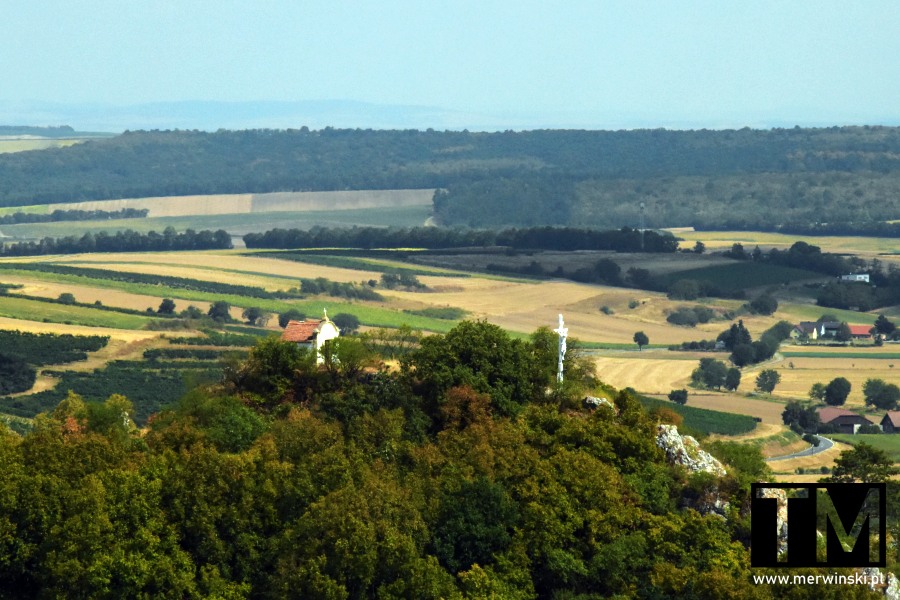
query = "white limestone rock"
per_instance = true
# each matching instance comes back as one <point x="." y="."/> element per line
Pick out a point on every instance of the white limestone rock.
<point x="686" y="451"/>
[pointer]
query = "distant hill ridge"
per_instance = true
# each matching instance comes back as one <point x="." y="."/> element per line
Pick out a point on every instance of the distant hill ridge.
<point x="50" y="132"/>
<point x="734" y="178"/>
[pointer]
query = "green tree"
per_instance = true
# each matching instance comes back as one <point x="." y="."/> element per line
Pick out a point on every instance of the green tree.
<point x="640" y="338"/>
<point x="255" y="316"/>
<point x="884" y="326"/>
<point x="474" y="523"/>
<point x="482" y="356"/>
<point x="767" y="380"/>
<point x="220" y="311"/>
<point x="764" y="305"/>
<point x="166" y="307"/>
<point x="288" y="316"/>
<point x="881" y="394"/>
<point x="347" y="323"/>
<point x="864" y="463"/>
<point x="743" y="355"/>
<point x="66" y="298"/>
<point x="710" y="374"/>
<point x="843" y="333"/>
<point x="732" y="379"/>
<point x="800" y="418"/>
<point x="817" y="392"/>
<point x="836" y="391"/>
<point x="699" y="247"/>
<point x="679" y="396"/>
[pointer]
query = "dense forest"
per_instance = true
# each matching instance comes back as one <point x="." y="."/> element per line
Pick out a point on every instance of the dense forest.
<point x="465" y="474"/>
<point x="743" y="178"/>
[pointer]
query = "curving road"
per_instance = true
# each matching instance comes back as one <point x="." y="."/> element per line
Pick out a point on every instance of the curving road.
<point x="824" y="444"/>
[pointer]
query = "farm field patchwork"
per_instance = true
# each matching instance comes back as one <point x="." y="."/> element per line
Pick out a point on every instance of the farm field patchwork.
<point x="647" y="375"/>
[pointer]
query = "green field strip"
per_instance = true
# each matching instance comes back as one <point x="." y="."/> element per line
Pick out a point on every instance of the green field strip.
<point x="32" y="310"/>
<point x="742" y="275"/>
<point x="888" y="442"/>
<point x="811" y="312"/>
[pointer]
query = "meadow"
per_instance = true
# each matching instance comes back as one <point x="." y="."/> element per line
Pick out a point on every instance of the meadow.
<point x="890" y="443"/>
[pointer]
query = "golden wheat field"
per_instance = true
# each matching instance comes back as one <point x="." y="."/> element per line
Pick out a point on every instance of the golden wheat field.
<point x="211" y="266"/>
<point x="796" y="382"/>
<point x="89" y="295"/>
<point x="720" y="240"/>
<point x="650" y="375"/>
<point x="127" y="335"/>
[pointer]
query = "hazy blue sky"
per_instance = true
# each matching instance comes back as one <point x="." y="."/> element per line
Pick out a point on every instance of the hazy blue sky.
<point x="590" y="63"/>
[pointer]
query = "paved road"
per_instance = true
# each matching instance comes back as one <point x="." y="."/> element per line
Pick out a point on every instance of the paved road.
<point x="824" y="444"/>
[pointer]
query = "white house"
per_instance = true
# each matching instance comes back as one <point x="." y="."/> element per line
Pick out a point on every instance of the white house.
<point x="311" y="333"/>
<point x="862" y="277"/>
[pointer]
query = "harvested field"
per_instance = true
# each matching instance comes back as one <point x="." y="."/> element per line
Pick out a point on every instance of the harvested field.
<point x="220" y="204"/>
<point x="211" y="264"/>
<point x="88" y="294"/>
<point x="721" y="240"/>
<point x="769" y="412"/>
<point x="125" y="335"/>
<point x="795" y="382"/>
<point x="647" y="375"/>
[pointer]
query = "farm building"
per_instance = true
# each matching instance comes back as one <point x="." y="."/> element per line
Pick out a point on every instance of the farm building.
<point x="860" y="332"/>
<point x="311" y="333"/>
<point x="890" y="423"/>
<point x="861" y="277"/>
<point x="846" y="421"/>
<point x="808" y="328"/>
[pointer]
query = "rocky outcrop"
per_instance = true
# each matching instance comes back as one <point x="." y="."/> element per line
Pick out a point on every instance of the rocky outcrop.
<point x="594" y="402"/>
<point x="686" y="451"/>
<point x="781" y="521"/>
<point x="887" y="583"/>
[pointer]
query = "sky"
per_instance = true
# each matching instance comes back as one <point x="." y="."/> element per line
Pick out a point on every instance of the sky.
<point x="514" y="64"/>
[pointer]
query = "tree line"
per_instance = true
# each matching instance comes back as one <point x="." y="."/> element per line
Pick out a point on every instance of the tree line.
<point x="73" y="215"/>
<point x="122" y="241"/>
<point x="625" y="239"/>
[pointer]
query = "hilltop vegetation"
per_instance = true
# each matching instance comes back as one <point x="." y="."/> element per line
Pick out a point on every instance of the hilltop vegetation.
<point x="459" y="476"/>
<point x="746" y="178"/>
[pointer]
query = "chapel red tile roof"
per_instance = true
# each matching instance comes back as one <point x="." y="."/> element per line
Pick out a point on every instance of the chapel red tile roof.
<point x="300" y="331"/>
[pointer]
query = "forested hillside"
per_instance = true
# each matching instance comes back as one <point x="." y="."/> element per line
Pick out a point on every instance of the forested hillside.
<point x="745" y="178"/>
<point x="458" y="476"/>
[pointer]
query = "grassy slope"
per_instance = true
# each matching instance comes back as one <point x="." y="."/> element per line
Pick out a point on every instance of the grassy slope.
<point x="32" y="310"/>
<point x="888" y="442"/>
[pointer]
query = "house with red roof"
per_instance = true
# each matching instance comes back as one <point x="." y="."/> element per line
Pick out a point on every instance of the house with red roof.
<point x="845" y="421"/>
<point x="311" y="333"/>
<point x="890" y="423"/>
<point x="860" y="332"/>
